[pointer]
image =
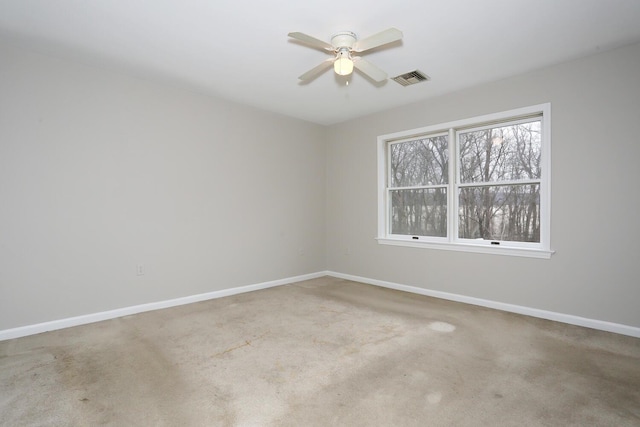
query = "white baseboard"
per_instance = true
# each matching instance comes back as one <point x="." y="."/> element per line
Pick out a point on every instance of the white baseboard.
<point x="126" y="311"/>
<point x="534" y="312"/>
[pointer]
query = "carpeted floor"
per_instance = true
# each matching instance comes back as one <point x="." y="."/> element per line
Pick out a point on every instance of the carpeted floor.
<point x="322" y="352"/>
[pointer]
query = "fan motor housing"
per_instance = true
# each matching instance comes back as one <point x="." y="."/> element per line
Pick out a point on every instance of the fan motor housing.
<point x="343" y="39"/>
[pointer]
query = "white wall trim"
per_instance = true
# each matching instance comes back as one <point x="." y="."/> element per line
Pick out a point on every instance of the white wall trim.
<point x="126" y="311"/>
<point x="528" y="311"/>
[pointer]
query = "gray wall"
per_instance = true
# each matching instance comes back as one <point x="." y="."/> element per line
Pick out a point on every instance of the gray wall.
<point x="100" y="172"/>
<point x="595" y="230"/>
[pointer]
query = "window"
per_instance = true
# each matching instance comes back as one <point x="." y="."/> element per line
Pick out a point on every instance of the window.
<point x="479" y="185"/>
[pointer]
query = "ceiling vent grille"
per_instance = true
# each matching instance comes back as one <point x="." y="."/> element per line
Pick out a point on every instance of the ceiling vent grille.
<point x="411" y="78"/>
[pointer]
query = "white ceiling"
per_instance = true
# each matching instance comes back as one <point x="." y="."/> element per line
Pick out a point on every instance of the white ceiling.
<point x="239" y="50"/>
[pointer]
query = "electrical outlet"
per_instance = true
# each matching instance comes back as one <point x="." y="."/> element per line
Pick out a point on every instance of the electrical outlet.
<point x="140" y="270"/>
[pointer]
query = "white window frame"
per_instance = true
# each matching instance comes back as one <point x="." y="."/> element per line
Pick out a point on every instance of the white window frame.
<point x="452" y="242"/>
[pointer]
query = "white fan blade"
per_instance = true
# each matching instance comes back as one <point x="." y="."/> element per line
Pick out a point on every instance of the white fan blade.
<point x="311" y="41"/>
<point x="317" y="69"/>
<point x="383" y="37"/>
<point x="369" y="69"/>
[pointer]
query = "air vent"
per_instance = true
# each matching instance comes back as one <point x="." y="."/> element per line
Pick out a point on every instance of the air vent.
<point x="411" y="78"/>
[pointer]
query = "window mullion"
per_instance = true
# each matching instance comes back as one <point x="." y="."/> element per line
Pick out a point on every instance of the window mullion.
<point x="388" y="181"/>
<point x="419" y="187"/>
<point x="452" y="208"/>
<point x="499" y="183"/>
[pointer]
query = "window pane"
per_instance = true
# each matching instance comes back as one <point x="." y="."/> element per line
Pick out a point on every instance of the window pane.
<point x="501" y="153"/>
<point x="420" y="162"/>
<point x="419" y="212"/>
<point x="507" y="212"/>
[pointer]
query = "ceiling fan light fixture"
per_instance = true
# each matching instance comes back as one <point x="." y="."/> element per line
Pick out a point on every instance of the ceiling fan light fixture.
<point x="343" y="65"/>
<point x="342" y="46"/>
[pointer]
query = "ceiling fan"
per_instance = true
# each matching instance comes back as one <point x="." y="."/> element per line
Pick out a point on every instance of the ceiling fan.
<point x="342" y="46"/>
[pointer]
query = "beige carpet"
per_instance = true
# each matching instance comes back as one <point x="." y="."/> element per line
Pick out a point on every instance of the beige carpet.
<point x="320" y="353"/>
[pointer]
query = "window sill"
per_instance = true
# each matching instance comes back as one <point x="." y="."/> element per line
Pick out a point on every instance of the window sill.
<point x="461" y="247"/>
